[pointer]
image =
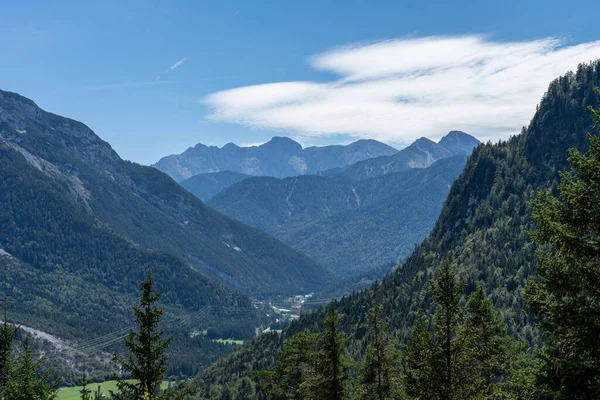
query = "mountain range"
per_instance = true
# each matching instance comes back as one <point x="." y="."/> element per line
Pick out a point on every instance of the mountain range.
<point x="483" y="231"/>
<point x="420" y="154"/>
<point x="81" y="227"/>
<point x="345" y="219"/>
<point x="347" y="226"/>
<point x="280" y="157"/>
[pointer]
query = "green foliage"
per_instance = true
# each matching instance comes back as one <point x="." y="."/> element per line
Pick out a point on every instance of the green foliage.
<point x="565" y="291"/>
<point x="488" y="341"/>
<point x="465" y="355"/>
<point x="98" y="393"/>
<point x="332" y="378"/>
<point x="7" y="336"/>
<point x="147" y="361"/>
<point x="378" y="379"/>
<point x="418" y="373"/>
<point x="84" y="382"/>
<point x="27" y="381"/>
<point x="312" y="365"/>
<point x="295" y="365"/>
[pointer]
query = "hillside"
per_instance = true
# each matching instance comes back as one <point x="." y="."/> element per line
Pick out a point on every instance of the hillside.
<point x="205" y="186"/>
<point x="348" y="226"/>
<point x="280" y="157"/>
<point x="145" y="206"/>
<point x="482" y="229"/>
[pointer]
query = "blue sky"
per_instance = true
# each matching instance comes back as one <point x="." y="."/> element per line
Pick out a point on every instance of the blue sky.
<point x="98" y="62"/>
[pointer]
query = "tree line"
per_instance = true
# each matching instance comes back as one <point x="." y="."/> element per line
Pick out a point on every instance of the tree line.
<point x="463" y="350"/>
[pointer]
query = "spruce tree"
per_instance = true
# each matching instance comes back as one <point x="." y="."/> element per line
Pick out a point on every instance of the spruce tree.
<point x="447" y="292"/>
<point x="147" y="360"/>
<point x="7" y="336"/>
<point x="485" y="333"/>
<point x="464" y="354"/>
<point x="330" y="383"/>
<point x="419" y="377"/>
<point x="84" y="382"/>
<point x="29" y="382"/>
<point x="565" y="292"/>
<point x="295" y="365"/>
<point x="98" y="394"/>
<point x="379" y="372"/>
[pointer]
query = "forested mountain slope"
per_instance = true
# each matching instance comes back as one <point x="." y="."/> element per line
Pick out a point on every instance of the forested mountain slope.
<point x="205" y="186"/>
<point x="138" y="204"/>
<point x="348" y="226"/>
<point x="280" y="157"/>
<point x="482" y="230"/>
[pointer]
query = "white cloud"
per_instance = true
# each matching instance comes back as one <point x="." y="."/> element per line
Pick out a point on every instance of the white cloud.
<point x="176" y="65"/>
<point x="399" y="90"/>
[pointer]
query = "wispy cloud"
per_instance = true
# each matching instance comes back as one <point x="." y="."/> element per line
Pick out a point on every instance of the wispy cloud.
<point x="176" y="65"/>
<point x="255" y="144"/>
<point x="172" y="67"/>
<point x="399" y="90"/>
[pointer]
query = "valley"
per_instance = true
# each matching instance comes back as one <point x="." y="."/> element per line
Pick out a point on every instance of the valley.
<point x="299" y="200"/>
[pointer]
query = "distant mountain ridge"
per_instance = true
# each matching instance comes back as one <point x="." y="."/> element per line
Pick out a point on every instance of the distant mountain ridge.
<point x="421" y="153"/>
<point x="348" y="226"/>
<point x="280" y="157"/>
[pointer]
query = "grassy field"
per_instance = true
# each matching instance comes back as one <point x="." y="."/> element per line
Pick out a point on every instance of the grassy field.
<point x="72" y="393"/>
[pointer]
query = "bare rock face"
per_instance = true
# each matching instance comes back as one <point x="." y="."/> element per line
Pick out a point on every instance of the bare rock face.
<point x="421" y="154"/>
<point x="280" y="157"/>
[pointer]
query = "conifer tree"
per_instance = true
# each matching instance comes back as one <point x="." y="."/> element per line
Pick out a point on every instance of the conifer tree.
<point x="84" y="382"/>
<point x="7" y="336"/>
<point x="312" y="366"/>
<point x="146" y="362"/>
<point x="29" y="382"/>
<point x="447" y="292"/>
<point x="295" y="365"/>
<point x="485" y="333"/>
<point x="565" y="292"/>
<point x="330" y="383"/>
<point x="98" y="394"/>
<point x="378" y="375"/>
<point x="418" y="373"/>
<point x="464" y="355"/>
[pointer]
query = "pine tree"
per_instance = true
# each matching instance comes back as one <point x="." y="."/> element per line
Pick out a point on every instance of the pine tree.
<point x="378" y="375"/>
<point x="464" y="355"/>
<point x="98" y="393"/>
<point x="312" y="366"/>
<point x="29" y="382"/>
<point x="333" y="362"/>
<point x="418" y="373"/>
<point x="84" y="382"/>
<point x="147" y="359"/>
<point x="447" y="292"/>
<point x="565" y="293"/>
<point x="295" y="365"/>
<point x="486" y="335"/>
<point x="7" y="336"/>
